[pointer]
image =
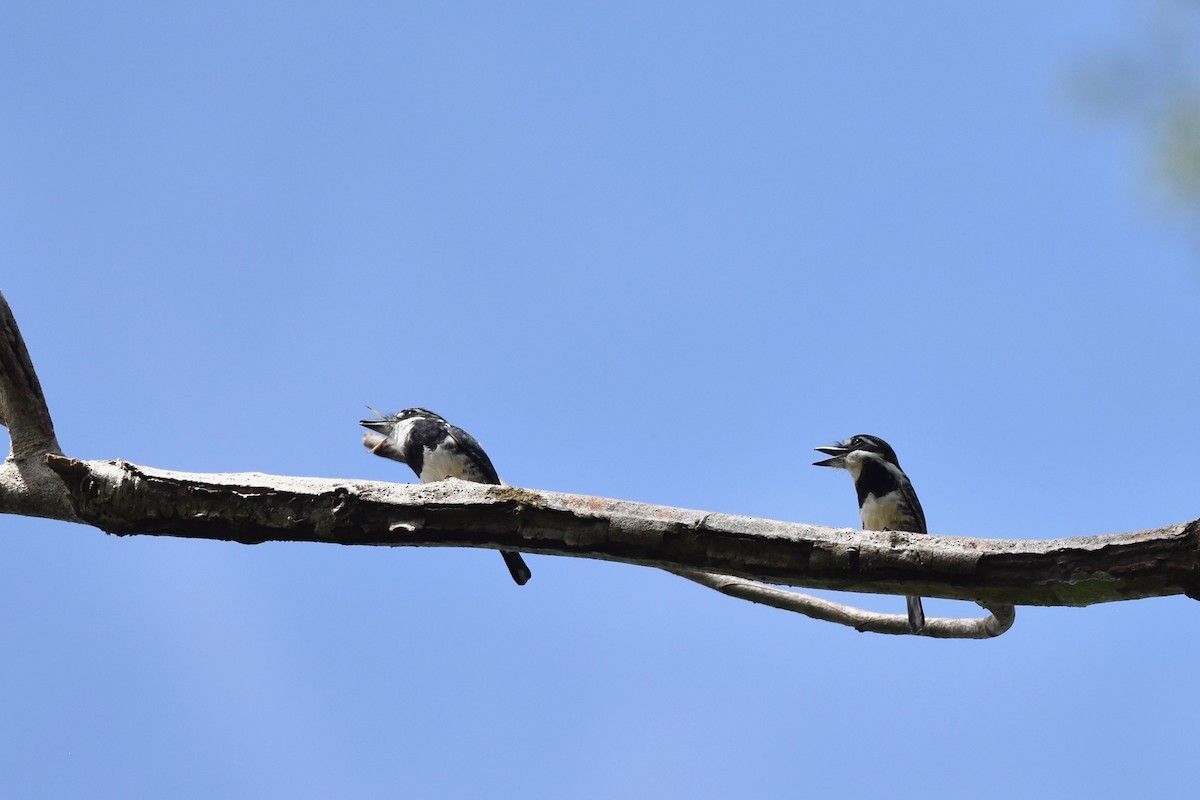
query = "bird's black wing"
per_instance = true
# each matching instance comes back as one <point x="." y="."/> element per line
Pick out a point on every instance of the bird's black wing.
<point x="474" y="451"/>
<point x="910" y="497"/>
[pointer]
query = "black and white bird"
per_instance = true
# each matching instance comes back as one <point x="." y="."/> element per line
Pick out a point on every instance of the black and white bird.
<point x="437" y="450"/>
<point x="886" y="500"/>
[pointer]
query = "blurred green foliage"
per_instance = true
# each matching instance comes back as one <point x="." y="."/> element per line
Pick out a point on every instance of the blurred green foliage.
<point x="1153" y="82"/>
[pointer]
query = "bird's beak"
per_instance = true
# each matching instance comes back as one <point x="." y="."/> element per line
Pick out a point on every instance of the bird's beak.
<point x="839" y="456"/>
<point x="383" y="426"/>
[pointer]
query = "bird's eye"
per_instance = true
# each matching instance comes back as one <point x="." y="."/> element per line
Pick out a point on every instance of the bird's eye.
<point x="856" y="441"/>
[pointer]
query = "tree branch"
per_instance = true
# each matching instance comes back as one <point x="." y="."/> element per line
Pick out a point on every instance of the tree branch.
<point x="23" y="407"/>
<point x="730" y="554"/>
<point x="1000" y="617"/>
<point x="123" y="498"/>
<point x="26" y="485"/>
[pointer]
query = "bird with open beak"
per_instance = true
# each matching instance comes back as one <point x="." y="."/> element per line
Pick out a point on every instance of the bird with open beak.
<point x="436" y="450"/>
<point x="886" y="499"/>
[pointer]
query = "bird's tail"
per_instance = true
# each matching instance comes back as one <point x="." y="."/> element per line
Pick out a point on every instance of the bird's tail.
<point x="516" y="567"/>
<point x="916" y="613"/>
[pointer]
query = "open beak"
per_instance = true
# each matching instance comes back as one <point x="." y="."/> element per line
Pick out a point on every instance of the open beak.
<point x="839" y="456"/>
<point x="383" y="426"/>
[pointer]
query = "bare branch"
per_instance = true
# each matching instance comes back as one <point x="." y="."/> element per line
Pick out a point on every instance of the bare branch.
<point x="999" y="619"/>
<point x="23" y="407"/>
<point x="123" y="498"/>
<point x="26" y="485"/>
<point x="730" y="554"/>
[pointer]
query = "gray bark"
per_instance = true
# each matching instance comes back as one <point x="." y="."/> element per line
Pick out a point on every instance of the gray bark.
<point x="27" y="486"/>
<point x="124" y="498"/>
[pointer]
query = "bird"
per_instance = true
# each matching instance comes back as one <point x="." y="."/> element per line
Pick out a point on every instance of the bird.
<point x="886" y="499"/>
<point x="436" y="450"/>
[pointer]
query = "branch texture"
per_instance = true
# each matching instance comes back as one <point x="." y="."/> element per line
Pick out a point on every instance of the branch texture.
<point x="23" y="407"/>
<point x="123" y="498"/>
<point x="731" y="554"/>
<point x="26" y="485"/>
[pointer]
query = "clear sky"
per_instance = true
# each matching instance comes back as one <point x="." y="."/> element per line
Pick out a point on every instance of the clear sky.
<point x="653" y="251"/>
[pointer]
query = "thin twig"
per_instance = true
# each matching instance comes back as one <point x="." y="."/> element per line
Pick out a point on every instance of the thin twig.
<point x="999" y="619"/>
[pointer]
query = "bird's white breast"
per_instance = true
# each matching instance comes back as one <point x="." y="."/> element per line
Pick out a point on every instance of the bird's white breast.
<point x="440" y="464"/>
<point x="883" y="513"/>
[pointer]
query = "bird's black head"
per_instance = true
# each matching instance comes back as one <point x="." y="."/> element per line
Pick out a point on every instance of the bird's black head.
<point x="860" y="443"/>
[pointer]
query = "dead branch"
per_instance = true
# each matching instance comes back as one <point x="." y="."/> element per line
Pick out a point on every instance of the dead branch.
<point x="26" y="485"/>
<point x="124" y="498"/>
<point x="1000" y="617"/>
<point x="23" y="407"/>
<point x="731" y="554"/>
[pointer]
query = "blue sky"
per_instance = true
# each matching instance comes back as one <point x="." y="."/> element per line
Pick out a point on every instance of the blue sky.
<point x="648" y="251"/>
